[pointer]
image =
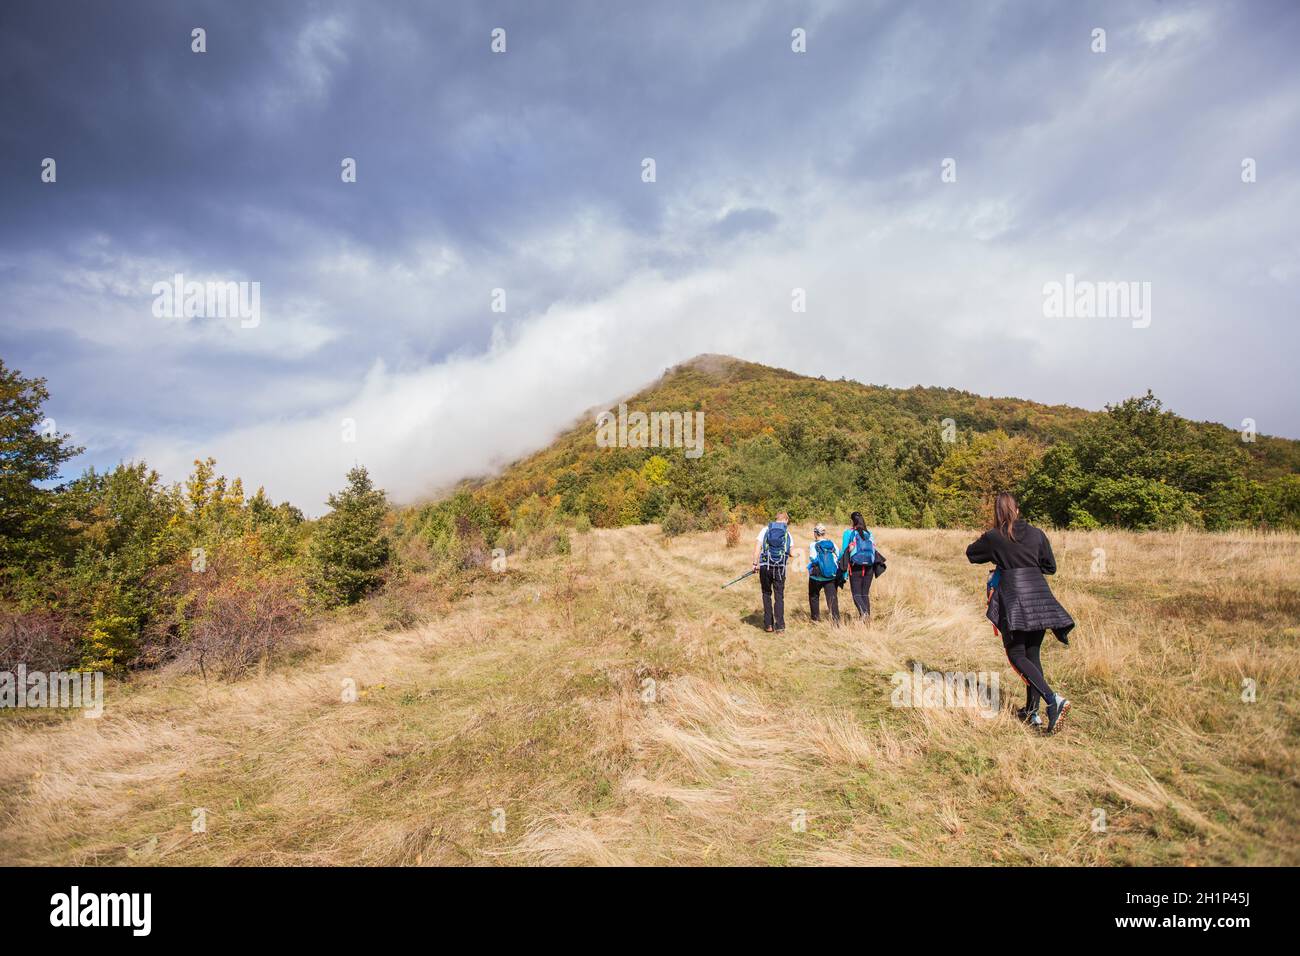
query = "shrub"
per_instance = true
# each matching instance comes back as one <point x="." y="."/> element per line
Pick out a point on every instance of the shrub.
<point x="1081" y="520"/>
<point x="676" y="521"/>
<point x="733" y="531"/>
<point x="223" y="621"/>
<point x="398" y="609"/>
<point x="549" y="540"/>
<point x="40" y="639"/>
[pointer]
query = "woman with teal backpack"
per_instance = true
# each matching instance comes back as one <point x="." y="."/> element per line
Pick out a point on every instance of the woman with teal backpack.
<point x="858" y="557"/>
<point x="823" y="566"/>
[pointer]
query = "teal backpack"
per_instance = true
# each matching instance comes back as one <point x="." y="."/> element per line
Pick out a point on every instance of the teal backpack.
<point x="823" y="563"/>
<point x="864" y="551"/>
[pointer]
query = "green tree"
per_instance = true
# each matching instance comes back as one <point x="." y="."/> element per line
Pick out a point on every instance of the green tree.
<point x="1282" y="502"/>
<point x="350" y="549"/>
<point x="1138" y="466"/>
<point x="123" y="526"/>
<point x="1141" y="503"/>
<point x="31" y="454"/>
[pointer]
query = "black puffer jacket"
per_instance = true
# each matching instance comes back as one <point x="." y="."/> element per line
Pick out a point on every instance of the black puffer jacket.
<point x="1022" y="601"/>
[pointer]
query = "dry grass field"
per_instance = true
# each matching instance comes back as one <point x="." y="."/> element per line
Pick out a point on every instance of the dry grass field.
<point x="522" y="702"/>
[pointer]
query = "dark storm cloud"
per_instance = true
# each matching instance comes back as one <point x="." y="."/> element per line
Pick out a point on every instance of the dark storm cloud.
<point x="522" y="171"/>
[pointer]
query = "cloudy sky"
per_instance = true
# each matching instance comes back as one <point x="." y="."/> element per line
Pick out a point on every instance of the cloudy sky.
<point x="523" y="171"/>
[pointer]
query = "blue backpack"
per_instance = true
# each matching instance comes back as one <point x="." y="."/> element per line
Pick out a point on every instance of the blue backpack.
<point x="824" y="560"/>
<point x="864" y="552"/>
<point x="775" y="545"/>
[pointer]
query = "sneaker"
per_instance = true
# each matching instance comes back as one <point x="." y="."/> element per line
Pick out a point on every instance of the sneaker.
<point x="1056" y="712"/>
<point x="1027" y="716"/>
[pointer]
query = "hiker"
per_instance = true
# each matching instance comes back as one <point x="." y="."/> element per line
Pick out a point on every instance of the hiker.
<point x="771" y="552"/>
<point x="823" y="566"/>
<point x="857" y="559"/>
<point x="1021" y="605"/>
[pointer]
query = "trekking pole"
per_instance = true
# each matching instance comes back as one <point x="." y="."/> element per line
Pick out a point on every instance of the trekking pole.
<point x="739" y="579"/>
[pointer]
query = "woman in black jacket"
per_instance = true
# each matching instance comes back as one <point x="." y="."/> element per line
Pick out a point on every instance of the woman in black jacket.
<point x="1022" y="606"/>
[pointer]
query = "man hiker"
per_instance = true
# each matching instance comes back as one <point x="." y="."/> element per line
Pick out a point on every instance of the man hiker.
<point x="771" y="552"/>
<point x="823" y="565"/>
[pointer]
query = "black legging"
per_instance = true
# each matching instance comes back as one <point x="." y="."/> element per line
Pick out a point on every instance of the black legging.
<point x="860" y="578"/>
<point x="1022" y="651"/>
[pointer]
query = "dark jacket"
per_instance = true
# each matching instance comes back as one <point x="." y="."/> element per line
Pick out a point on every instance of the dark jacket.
<point x="877" y="568"/>
<point x="1022" y="601"/>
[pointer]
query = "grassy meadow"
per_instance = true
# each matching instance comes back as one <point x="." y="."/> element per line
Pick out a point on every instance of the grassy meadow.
<point x="614" y="706"/>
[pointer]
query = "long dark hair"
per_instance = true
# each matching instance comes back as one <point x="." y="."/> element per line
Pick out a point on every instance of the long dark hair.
<point x="1006" y="511"/>
<point x="858" y="523"/>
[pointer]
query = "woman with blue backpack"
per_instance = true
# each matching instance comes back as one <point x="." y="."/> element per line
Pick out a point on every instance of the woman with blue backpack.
<point x="858" y="559"/>
<point x="823" y="567"/>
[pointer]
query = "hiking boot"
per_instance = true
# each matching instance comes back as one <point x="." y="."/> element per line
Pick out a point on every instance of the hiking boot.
<point x="1056" y="712"/>
<point x="1030" y="717"/>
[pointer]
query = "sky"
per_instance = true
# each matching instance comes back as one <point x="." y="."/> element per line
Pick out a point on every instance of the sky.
<point x="501" y="266"/>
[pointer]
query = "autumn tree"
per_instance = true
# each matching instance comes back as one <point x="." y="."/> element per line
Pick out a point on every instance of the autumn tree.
<point x="967" y="481"/>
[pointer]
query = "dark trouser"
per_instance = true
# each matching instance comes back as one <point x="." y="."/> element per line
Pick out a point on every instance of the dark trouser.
<point x="815" y="589"/>
<point x="860" y="578"/>
<point x="1022" y="651"/>
<point x="772" y="581"/>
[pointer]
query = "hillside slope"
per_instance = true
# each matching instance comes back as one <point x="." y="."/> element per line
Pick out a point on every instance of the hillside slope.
<point x="615" y="706"/>
<point x="920" y="456"/>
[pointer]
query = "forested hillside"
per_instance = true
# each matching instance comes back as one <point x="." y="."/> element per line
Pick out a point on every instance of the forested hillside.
<point x="920" y="457"/>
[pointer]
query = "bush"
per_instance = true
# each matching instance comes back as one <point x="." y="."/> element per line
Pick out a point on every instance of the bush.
<point x="224" y="622"/>
<point x="677" y="521"/>
<point x="1081" y="520"/>
<point x="398" y="609"/>
<point x="551" y="540"/>
<point x="39" y="639"/>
